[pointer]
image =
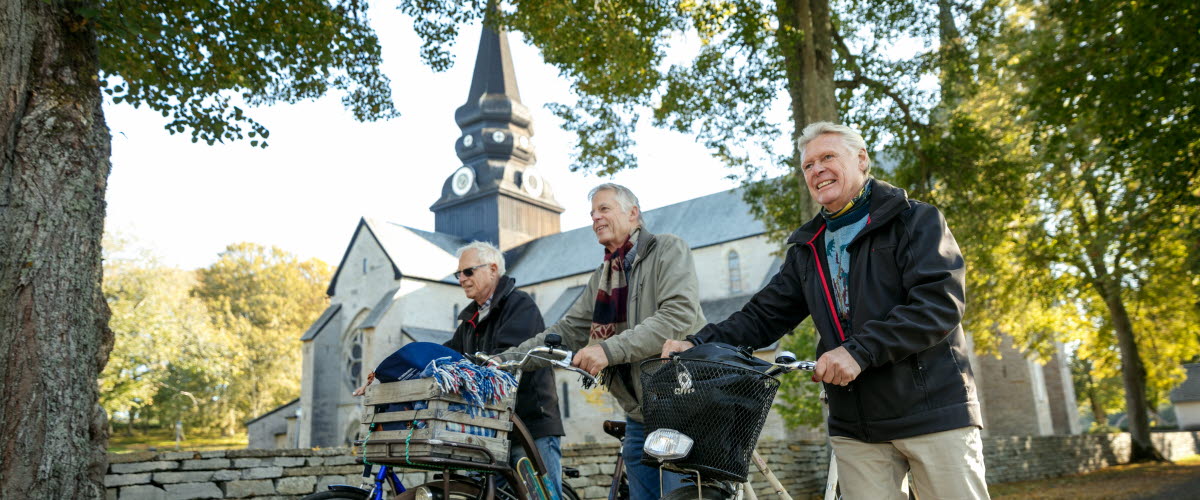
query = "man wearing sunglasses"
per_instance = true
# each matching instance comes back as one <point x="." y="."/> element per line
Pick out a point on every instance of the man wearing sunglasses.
<point x="644" y="293"/>
<point x="499" y="317"/>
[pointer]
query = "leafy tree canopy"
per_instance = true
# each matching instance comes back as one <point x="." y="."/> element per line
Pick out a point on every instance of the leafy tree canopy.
<point x="195" y="60"/>
<point x="264" y="298"/>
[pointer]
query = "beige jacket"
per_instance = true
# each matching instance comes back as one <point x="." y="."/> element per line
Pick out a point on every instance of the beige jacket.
<point x="664" y="304"/>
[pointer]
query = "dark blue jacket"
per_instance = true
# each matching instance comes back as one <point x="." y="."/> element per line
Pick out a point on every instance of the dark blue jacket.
<point x="513" y="318"/>
<point x="906" y="303"/>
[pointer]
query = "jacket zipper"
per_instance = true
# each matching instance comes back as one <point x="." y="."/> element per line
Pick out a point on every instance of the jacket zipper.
<point x="825" y="286"/>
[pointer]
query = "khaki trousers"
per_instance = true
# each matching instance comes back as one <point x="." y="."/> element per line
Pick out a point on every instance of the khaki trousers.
<point x="944" y="465"/>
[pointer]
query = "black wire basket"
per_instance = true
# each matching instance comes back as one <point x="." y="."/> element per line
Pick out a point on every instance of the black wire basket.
<point x="722" y="407"/>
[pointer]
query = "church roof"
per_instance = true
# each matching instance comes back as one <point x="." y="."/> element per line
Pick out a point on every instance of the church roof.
<point x="701" y="222"/>
<point x="380" y="309"/>
<point x="718" y="310"/>
<point x="560" y="306"/>
<point x="290" y="405"/>
<point x="447" y="242"/>
<point x="427" y="334"/>
<point x="1189" y="390"/>
<point x="321" y="321"/>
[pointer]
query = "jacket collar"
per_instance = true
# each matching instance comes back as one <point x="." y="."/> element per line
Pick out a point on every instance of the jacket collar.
<point x="503" y="288"/>
<point x="887" y="201"/>
<point x="645" y="244"/>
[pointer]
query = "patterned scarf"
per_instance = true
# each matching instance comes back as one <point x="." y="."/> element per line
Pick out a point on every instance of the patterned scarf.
<point x="609" y="316"/>
<point x="612" y="298"/>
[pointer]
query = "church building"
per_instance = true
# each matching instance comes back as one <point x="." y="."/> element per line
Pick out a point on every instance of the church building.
<point x="395" y="283"/>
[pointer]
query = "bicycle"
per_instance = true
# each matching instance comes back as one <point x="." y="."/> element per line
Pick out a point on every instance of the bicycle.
<point x="465" y="479"/>
<point x="679" y="403"/>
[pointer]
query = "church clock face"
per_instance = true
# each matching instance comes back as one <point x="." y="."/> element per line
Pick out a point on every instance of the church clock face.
<point x="531" y="182"/>
<point x="462" y="180"/>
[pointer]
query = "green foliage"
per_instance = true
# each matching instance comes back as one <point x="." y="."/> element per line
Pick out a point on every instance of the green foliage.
<point x="161" y="332"/>
<point x="213" y="347"/>
<point x="800" y="396"/>
<point x="263" y="298"/>
<point x="1092" y="105"/>
<point x="191" y="60"/>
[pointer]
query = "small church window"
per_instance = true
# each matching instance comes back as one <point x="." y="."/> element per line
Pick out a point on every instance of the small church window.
<point x="735" y="273"/>
<point x="364" y="265"/>
<point x="354" y="361"/>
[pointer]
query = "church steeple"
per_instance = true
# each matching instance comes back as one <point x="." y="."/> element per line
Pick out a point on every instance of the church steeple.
<point x="496" y="195"/>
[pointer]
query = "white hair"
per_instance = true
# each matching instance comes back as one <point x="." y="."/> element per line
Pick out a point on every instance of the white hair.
<point x="853" y="140"/>
<point x="487" y="253"/>
<point x="624" y="196"/>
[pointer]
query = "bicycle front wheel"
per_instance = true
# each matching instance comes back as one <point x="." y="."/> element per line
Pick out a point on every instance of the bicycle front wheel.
<point x="337" y="495"/>
<point x="568" y="493"/>
<point x="459" y="490"/>
<point x="689" y="491"/>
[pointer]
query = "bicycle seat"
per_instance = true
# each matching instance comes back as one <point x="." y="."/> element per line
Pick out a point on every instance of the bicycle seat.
<point x="615" y="428"/>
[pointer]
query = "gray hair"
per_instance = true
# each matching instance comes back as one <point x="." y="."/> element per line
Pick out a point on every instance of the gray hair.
<point x="850" y="138"/>
<point x="487" y="253"/>
<point x="625" y="198"/>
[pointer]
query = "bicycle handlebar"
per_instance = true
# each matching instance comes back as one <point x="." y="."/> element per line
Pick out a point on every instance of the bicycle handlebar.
<point x="563" y="361"/>
<point x="786" y="362"/>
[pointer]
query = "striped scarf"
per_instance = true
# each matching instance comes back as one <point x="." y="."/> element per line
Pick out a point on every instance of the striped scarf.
<point x="612" y="297"/>
<point x="609" y="316"/>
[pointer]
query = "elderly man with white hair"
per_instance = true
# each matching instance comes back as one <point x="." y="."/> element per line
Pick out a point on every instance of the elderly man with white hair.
<point x="499" y="317"/>
<point x="644" y="293"/>
<point x="882" y="278"/>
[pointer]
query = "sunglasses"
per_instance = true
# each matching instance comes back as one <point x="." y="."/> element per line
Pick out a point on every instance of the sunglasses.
<point x="468" y="272"/>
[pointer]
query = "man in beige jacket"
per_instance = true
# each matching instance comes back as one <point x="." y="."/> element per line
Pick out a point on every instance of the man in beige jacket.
<point x="643" y="294"/>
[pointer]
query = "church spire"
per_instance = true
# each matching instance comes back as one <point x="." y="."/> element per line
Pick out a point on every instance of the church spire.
<point x="496" y="195"/>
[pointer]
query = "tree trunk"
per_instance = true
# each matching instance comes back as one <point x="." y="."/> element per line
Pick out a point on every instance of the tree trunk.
<point x="54" y="165"/>
<point x="1093" y="397"/>
<point x="806" y="38"/>
<point x="1134" y="376"/>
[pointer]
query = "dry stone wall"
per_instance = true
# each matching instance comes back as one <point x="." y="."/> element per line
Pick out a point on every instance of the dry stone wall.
<point x="800" y="465"/>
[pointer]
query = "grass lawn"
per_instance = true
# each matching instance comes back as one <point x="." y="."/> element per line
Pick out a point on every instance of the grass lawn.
<point x="164" y="440"/>
<point x="1119" y="482"/>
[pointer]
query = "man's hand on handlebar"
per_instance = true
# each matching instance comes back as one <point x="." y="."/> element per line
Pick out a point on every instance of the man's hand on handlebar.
<point x="590" y="359"/>
<point x="836" y="367"/>
<point x="675" y="346"/>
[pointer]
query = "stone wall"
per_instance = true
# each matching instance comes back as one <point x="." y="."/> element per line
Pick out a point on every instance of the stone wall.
<point x="800" y="465"/>
<point x="261" y="474"/>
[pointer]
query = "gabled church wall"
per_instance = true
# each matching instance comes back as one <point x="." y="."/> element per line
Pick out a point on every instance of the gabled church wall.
<point x="1013" y="392"/>
<point x="429" y="305"/>
<point x="320" y="385"/>
<point x="366" y="274"/>
<point x="713" y="266"/>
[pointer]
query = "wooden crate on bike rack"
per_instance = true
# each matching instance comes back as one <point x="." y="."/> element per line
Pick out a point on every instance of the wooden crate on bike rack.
<point x="441" y="423"/>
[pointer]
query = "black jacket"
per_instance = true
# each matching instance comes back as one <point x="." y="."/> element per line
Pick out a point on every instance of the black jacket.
<point x="906" y="304"/>
<point x="512" y="318"/>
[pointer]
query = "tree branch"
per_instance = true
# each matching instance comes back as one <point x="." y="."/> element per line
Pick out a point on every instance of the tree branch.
<point x="860" y="80"/>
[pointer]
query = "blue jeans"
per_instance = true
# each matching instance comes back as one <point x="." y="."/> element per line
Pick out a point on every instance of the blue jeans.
<point x="643" y="479"/>
<point x="550" y="448"/>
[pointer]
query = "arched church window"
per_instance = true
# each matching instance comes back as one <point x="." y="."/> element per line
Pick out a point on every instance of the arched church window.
<point x="353" y="357"/>
<point x="735" y="273"/>
<point x="364" y="265"/>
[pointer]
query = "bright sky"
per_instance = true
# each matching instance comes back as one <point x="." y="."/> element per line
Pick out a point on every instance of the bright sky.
<point x="323" y="170"/>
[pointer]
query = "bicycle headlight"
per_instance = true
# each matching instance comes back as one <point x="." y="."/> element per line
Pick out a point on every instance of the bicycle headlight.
<point x="668" y="444"/>
<point x="422" y="493"/>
